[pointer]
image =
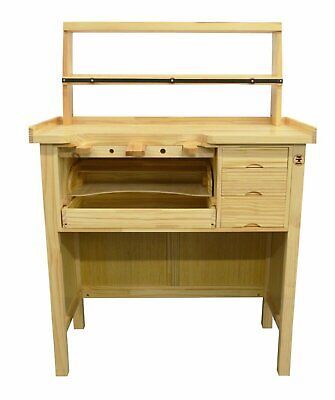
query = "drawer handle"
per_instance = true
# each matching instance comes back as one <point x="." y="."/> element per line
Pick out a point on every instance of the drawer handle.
<point x="252" y="225"/>
<point x="254" y="193"/>
<point x="255" y="166"/>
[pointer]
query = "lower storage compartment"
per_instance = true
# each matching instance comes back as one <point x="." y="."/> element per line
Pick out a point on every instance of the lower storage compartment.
<point x="138" y="211"/>
<point x="160" y="264"/>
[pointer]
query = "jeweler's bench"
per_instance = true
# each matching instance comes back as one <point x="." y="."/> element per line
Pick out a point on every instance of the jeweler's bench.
<point x="172" y="207"/>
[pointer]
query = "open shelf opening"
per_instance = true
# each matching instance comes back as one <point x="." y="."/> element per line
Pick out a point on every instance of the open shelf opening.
<point x="156" y="181"/>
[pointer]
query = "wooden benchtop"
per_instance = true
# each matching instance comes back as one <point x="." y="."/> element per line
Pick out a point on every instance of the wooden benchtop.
<point x="172" y="131"/>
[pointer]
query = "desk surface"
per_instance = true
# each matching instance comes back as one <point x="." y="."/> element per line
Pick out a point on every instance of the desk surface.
<point x="172" y="130"/>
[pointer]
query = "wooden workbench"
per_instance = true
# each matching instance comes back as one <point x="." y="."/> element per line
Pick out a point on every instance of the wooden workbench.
<point x="172" y="207"/>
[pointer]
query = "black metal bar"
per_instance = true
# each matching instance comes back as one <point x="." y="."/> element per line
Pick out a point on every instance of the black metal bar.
<point x="250" y="81"/>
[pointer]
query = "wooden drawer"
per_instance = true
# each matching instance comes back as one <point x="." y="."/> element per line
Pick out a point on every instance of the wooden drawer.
<point x="249" y="211"/>
<point x="254" y="158"/>
<point x="254" y="181"/>
<point x="130" y="218"/>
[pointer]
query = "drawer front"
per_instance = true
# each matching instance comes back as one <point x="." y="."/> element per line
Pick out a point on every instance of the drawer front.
<point x="262" y="212"/>
<point x="254" y="181"/>
<point x="126" y="218"/>
<point x="254" y="158"/>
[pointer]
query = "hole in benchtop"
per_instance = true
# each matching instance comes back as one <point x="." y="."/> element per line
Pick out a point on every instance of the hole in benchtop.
<point x="163" y="151"/>
<point x="111" y="151"/>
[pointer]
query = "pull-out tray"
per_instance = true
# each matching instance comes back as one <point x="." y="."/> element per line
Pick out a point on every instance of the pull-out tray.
<point x="138" y="212"/>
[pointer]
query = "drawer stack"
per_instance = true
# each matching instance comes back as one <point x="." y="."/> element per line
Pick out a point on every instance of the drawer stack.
<point x="254" y="187"/>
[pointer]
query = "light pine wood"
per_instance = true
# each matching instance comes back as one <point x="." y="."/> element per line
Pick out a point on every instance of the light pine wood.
<point x="276" y="90"/>
<point x="200" y="262"/>
<point x="172" y="206"/>
<point x="290" y="267"/>
<point x="254" y="181"/>
<point x="189" y="189"/>
<point x="71" y="287"/>
<point x="57" y="296"/>
<point x="254" y="158"/>
<point x="266" y="310"/>
<point x="192" y="27"/>
<point x="135" y="149"/>
<point x="211" y="291"/>
<point x="172" y="131"/>
<point x="274" y="286"/>
<point x="67" y="69"/>
<point x="156" y="218"/>
<point x="150" y="152"/>
<point x="78" y="317"/>
<point x="253" y="211"/>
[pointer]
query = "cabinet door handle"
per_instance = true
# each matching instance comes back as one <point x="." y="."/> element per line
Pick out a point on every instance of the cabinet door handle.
<point x="252" y="225"/>
<point x="255" y="166"/>
<point x="253" y="193"/>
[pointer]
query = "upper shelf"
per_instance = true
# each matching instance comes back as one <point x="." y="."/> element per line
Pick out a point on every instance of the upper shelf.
<point x="172" y="131"/>
<point x="174" y="27"/>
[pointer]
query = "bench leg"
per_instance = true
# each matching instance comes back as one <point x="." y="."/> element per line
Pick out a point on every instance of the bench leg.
<point x="266" y="315"/>
<point x="79" y="318"/>
<point x="290" y="263"/>
<point x="50" y="178"/>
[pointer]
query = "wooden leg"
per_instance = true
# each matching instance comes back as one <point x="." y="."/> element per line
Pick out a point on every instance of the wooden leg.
<point x="287" y="306"/>
<point x="55" y="263"/>
<point x="266" y="311"/>
<point x="79" y="318"/>
<point x="266" y="315"/>
<point x="290" y="267"/>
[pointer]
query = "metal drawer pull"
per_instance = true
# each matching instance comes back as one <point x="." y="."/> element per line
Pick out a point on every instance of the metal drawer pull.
<point x="252" y="225"/>
<point x="254" y="166"/>
<point x="253" y="193"/>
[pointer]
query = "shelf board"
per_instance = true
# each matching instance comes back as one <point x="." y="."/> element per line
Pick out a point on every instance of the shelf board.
<point x="174" y="27"/>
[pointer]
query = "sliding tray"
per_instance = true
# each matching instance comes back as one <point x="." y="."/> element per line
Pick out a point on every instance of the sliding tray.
<point x="162" y="194"/>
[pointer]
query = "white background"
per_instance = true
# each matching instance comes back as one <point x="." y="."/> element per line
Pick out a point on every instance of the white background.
<point x="161" y="348"/>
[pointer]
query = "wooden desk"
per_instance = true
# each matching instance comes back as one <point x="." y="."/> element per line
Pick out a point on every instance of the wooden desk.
<point x="172" y="207"/>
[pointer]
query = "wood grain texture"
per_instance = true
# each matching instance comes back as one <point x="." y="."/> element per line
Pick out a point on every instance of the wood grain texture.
<point x="266" y="309"/>
<point x="67" y="69"/>
<point x="79" y="316"/>
<point x="71" y="288"/>
<point x="150" y="151"/>
<point x="247" y="211"/>
<point x="191" y="27"/>
<point x="254" y="181"/>
<point x="276" y="90"/>
<point x="159" y="218"/>
<point x="254" y="157"/>
<point x="123" y="261"/>
<point x="274" y="287"/>
<point x="158" y="131"/>
<point x="55" y="262"/>
<point x="290" y="267"/>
